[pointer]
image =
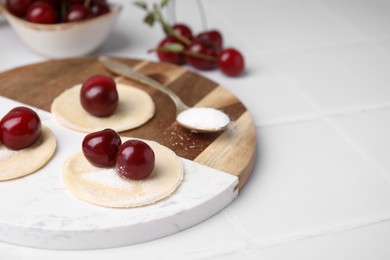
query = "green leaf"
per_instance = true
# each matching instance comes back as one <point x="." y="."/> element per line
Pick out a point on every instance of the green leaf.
<point x="174" y="47"/>
<point x="142" y="5"/>
<point x="164" y="3"/>
<point x="150" y="18"/>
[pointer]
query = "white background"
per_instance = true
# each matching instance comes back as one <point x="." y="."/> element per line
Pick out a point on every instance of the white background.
<point x="317" y="84"/>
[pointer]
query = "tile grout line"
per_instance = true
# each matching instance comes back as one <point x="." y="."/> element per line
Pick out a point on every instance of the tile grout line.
<point x="241" y="231"/>
<point x="233" y="28"/>
<point x="360" y="38"/>
<point x="249" y="246"/>
<point x="313" y="47"/>
<point x="338" y="113"/>
<point x="319" y="111"/>
<point x="383" y="173"/>
<point x="327" y="117"/>
<point x="331" y="230"/>
<point x="326" y="11"/>
<point x="292" y="85"/>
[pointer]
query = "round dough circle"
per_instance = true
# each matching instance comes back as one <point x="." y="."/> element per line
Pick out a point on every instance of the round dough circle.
<point x="135" y="108"/>
<point x="104" y="187"/>
<point x="26" y="161"/>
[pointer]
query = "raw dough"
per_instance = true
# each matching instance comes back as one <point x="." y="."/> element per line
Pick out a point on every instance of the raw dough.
<point x="15" y="164"/>
<point x="104" y="187"/>
<point x="135" y="108"/>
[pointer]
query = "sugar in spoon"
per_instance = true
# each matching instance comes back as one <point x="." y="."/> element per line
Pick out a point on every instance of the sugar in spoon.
<point x="197" y="119"/>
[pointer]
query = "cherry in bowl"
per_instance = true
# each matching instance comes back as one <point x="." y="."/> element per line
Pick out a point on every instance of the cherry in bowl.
<point x="20" y="128"/>
<point x="64" y="39"/>
<point x="77" y="12"/>
<point x="18" y="7"/>
<point x="42" y="13"/>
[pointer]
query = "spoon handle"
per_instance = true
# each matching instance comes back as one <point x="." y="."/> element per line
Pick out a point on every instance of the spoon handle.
<point x="128" y="72"/>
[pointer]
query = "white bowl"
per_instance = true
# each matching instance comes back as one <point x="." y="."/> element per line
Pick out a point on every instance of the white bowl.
<point x="65" y="39"/>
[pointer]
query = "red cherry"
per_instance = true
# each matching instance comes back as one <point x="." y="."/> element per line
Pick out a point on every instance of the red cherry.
<point x="231" y="62"/>
<point x="204" y="47"/>
<point x="77" y="12"/>
<point x="101" y="148"/>
<point x="20" y="128"/>
<point x="170" y="56"/>
<point x="183" y="30"/>
<point x="73" y="1"/>
<point x="18" y="7"/>
<point x="41" y="12"/>
<point x="55" y="3"/>
<point x="98" y="96"/>
<point x="214" y="36"/>
<point x="99" y="7"/>
<point x="135" y="160"/>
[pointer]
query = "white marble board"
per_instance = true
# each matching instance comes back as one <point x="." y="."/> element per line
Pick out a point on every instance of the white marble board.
<point x="38" y="211"/>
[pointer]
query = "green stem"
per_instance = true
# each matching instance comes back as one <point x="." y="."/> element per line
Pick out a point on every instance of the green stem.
<point x="200" y="55"/>
<point x="185" y="52"/>
<point x="63" y="10"/>
<point x="168" y="29"/>
<point x="87" y="3"/>
<point x="202" y="14"/>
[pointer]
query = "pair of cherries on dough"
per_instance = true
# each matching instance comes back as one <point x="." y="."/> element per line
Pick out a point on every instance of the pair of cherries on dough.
<point x="133" y="159"/>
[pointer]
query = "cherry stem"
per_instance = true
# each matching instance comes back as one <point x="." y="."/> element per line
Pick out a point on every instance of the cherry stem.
<point x="168" y="29"/>
<point x="63" y="10"/>
<point x="188" y="53"/>
<point x="171" y="12"/>
<point x="200" y="55"/>
<point x="202" y="14"/>
<point x="87" y="3"/>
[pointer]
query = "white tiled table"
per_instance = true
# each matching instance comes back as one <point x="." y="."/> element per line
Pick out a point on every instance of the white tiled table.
<point x="318" y="87"/>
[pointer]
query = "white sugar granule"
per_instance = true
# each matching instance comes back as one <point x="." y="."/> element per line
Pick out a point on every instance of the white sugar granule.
<point x="109" y="178"/>
<point x="5" y="152"/>
<point x="203" y="118"/>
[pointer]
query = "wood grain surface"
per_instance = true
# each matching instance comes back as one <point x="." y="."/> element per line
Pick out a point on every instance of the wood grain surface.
<point x="232" y="151"/>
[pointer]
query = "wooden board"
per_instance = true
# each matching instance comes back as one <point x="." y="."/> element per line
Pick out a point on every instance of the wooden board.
<point x="232" y="151"/>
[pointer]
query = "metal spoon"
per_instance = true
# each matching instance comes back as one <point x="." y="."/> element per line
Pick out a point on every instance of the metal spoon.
<point x="197" y="119"/>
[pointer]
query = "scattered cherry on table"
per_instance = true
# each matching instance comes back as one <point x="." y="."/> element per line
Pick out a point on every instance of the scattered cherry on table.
<point x="202" y="54"/>
<point x="231" y="62"/>
<point x="170" y="56"/>
<point x="212" y="35"/>
<point x="203" y="51"/>
<point x="183" y="30"/>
